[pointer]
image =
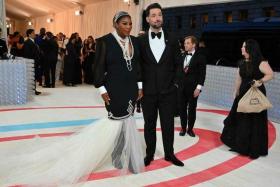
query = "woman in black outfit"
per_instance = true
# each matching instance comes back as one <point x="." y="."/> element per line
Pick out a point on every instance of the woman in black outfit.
<point x="247" y="133"/>
<point x="70" y="59"/>
<point x="88" y="59"/>
<point x="116" y="69"/>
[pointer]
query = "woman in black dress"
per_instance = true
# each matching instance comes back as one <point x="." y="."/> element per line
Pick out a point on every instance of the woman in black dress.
<point x="247" y="133"/>
<point x="116" y="70"/>
<point x="88" y="56"/>
<point x="69" y="62"/>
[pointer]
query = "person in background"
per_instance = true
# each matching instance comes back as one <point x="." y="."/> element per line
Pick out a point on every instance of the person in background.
<point x="88" y="59"/>
<point x="51" y="53"/>
<point x="32" y="51"/>
<point x="247" y="133"/>
<point x="193" y="73"/>
<point x="17" y="44"/>
<point x="3" y="47"/>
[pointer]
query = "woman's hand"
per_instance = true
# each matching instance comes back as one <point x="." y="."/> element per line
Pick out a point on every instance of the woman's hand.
<point x="257" y="83"/>
<point x="140" y="94"/>
<point x="106" y="98"/>
<point x="235" y="93"/>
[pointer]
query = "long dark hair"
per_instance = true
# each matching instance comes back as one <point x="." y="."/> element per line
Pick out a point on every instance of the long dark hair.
<point x="252" y="47"/>
<point x="73" y="36"/>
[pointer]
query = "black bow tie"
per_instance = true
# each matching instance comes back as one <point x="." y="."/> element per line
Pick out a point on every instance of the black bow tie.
<point x="153" y="34"/>
<point x="189" y="54"/>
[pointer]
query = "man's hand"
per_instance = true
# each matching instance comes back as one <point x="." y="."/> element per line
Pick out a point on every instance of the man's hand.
<point x="106" y="98"/>
<point x="140" y="94"/>
<point x="196" y="93"/>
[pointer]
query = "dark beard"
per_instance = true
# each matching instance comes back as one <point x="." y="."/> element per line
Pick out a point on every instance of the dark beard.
<point x="156" y="27"/>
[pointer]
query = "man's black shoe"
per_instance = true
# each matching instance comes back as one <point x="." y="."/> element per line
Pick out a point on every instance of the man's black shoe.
<point x="37" y="93"/>
<point x="148" y="160"/>
<point x="191" y="133"/>
<point x="182" y="132"/>
<point x="174" y="160"/>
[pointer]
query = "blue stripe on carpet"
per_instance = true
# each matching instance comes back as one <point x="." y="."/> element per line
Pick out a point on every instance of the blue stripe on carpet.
<point x="45" y="125"/>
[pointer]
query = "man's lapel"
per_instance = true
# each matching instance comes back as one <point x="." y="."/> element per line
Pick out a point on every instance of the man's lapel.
<point x="166" y="40"/>
<point x="148" y="48"/>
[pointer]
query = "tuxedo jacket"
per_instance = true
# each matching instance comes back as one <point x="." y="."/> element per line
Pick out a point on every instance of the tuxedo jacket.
<point x="31" y="51"/>
<point x="196" y="71"/>
<point x="159" y="77"/>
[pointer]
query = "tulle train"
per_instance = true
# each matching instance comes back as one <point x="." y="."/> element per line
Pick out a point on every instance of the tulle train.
<point x="69" y="160"/>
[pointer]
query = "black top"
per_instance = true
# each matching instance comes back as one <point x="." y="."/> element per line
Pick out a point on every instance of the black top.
<point x="110" y="70"/>
<point x="247" y="77"/>
<point x="31" y="50"/>
<point x="15" y="50"/>
<point x="196" y="71"/>
<point x="3" y="48"/>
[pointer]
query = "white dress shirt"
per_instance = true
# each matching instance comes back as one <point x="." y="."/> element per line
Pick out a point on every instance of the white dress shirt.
<point x="157" y="45"/>
<point x="187" y="63"/>
<point x="188" y="58"/>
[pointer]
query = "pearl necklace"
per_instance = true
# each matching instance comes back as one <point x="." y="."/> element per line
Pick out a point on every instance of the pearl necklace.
<point x="124" y="44"/>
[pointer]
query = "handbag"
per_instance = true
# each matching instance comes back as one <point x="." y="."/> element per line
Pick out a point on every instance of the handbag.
<point x="254" y="101"/>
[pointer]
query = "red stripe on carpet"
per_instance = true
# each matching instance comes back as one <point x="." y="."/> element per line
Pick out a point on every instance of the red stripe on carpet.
<point x="215" y="171"/>
<point x="208" y="140"/>
<point x="5" y="139"/>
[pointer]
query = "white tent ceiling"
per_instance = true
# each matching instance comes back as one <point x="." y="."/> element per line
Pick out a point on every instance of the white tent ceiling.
<point x="26" y="9"/>
<point x="23" y="9"/>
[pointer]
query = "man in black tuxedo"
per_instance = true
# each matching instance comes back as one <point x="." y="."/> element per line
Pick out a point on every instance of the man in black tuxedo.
<point x="159" y="51"/>
<point x="193" y="72"/>
<point x="32" y="51"/>
<point x="50" y="48"/>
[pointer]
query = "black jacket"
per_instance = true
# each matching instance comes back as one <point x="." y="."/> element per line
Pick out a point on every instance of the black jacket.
<point x="3" y="48"/>
<point x="196" y="72"/>
<point x="31" y="51"/>
<point x="159" y="77"/>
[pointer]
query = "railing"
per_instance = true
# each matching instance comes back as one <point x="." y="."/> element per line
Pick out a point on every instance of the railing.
<point x="219" y="87"/>
<point x="16" y="81"/>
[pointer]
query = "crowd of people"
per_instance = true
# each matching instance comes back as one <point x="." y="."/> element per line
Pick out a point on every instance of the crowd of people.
<point x="56" y="57"/>
<point x="150" y="68"/>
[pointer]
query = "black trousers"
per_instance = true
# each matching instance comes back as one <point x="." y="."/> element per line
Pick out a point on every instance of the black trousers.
<point x="50" y="71"/>
<point x="164" y="104"/>
<point x="187" y="107"/>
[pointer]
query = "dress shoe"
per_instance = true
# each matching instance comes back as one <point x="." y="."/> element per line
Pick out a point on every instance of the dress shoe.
<point x="182" y="132"/>
<point x="148" y="160"/>
<point x="174" y="160"/>
<point x="191" y="133"/>
<point x="37" y="93"/>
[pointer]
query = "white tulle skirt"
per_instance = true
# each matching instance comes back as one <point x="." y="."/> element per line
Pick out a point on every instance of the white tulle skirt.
<point x="70" y="160"/>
